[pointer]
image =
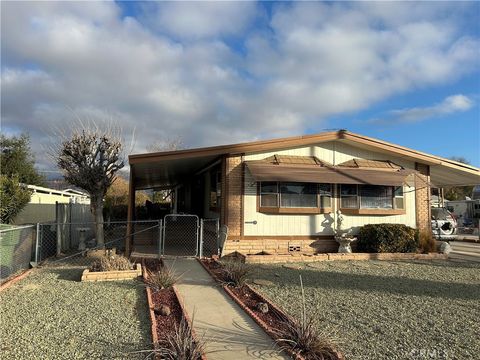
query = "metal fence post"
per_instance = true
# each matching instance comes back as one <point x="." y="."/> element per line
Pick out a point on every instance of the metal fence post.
<point x="164" y="226"/>
<point x="159" y="238"/>
<point x="37" y="243"/>
<point x="200" y="252"/>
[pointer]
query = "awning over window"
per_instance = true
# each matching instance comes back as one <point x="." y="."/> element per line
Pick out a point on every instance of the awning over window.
<point x="265" y="171"/>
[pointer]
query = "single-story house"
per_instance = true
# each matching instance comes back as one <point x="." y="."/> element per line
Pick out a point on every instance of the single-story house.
<point x="282" y="195"/>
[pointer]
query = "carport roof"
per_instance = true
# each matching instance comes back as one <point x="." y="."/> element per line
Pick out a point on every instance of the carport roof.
<point x="164" y="169"/>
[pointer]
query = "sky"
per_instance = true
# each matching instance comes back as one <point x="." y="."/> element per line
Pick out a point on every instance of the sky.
<point x="223" y="72"/>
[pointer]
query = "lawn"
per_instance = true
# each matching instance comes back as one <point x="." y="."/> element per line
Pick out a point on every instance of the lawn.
<point x="387" y="310"/>
<point x="51" y="315"/>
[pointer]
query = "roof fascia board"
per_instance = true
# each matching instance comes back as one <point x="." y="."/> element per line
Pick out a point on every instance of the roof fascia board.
<point x="427" y="158"/>
<point x="235" y="149"/>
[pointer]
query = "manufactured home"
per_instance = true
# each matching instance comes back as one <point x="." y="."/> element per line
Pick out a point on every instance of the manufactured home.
<point x="283" y="195"/>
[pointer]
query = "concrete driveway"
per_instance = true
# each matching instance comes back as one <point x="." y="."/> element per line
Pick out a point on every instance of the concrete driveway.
<point x="465" y="251"/>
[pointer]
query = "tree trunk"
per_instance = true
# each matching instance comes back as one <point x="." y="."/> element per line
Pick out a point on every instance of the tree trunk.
<point x="97" y="207"/>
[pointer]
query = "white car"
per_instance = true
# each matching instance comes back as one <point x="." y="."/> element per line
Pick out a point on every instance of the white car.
<point x="444" y="225"/>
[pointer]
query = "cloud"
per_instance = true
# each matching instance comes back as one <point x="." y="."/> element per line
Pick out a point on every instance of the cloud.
<point x="196" y="20"/>
<point x="176" y="71"/>
<point x="451" y="104"/>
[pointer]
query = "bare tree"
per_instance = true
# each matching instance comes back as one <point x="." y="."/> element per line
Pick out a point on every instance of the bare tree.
<point x="89" y="158"/>
<point x="167" y="144"/>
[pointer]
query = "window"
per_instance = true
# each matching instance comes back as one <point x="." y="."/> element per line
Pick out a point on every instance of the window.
<point x="372" y="197"/>
<point x="292" y="196"/>
<point x="376" y="197"/>
<point x="349" y="196"/>
<point x="398" y="201"/>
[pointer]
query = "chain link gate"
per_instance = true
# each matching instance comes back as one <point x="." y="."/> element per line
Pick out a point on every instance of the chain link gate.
<point x="181" y="235"/>
<point x="209" y="237"/>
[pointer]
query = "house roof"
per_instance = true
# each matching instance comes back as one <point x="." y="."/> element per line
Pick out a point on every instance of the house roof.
<point x="155" y="169"/>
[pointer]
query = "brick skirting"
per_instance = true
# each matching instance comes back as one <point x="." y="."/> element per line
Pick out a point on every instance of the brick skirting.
<point x="280" y="246"/>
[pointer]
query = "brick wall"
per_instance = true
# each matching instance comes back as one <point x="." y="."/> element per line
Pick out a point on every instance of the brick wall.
<point x="422" y="197"/>
<point x="234" y="195"/>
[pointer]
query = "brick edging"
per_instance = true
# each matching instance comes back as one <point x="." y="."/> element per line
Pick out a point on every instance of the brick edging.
<point x="19" y="277"/>
<point x="153" y="320"/>
<point x="265" y="259"/>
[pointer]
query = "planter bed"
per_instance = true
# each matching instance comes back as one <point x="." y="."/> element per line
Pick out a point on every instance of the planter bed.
<point x="288" y="258"/>
<point x="162" y="325"/>
<point x="88" y="275"/>
<point x="247" y="298"/>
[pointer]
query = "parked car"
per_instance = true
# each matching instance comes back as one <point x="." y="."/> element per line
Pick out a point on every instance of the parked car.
<point x="444" y="224"/>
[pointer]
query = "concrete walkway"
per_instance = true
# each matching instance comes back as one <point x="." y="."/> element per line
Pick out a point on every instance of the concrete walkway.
<point x="230" y="332"/>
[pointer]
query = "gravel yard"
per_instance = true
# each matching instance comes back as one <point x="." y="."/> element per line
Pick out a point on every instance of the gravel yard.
<point x="51" y="315"/>
<point x="387" y="310"/>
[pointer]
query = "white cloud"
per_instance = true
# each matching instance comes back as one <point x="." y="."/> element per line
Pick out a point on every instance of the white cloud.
<point x="451" y="104"/>
<point x="196" y="20"/>
<point x="313" y="60"/>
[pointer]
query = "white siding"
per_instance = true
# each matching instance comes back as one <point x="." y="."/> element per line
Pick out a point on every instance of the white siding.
<point x="321" y="224"/>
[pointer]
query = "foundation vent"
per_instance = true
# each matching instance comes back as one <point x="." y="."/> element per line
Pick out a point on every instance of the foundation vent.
<point x="294" y="248"/>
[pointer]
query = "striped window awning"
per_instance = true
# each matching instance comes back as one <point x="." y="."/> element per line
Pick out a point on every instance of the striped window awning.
<point x="321" y="172"/>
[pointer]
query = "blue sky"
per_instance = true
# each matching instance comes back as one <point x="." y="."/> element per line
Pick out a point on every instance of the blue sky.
<point x="223" y="72"/>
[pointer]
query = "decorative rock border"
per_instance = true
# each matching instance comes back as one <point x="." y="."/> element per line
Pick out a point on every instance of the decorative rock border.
<point x="266" y="259"/>
<point x="88" y="275"/>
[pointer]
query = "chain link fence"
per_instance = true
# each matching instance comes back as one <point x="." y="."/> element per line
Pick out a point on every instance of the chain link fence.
<point x="74" y="244"/>
<point x="69" y="248"/>
<point x="66" y="239"/>
<point x="16" y="249"/>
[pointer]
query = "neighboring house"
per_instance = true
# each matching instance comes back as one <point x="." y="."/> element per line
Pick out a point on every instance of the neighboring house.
<point x="43" y="195"/>
<point x="47" y="205"/>
<point x="283" y="194"/>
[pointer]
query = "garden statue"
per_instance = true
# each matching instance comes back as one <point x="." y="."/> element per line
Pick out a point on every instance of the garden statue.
<point x="342" y="237"/>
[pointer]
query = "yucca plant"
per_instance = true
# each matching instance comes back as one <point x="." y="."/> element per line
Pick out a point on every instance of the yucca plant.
<point x="164" y="278"/>
<point x="179" y="345"/>
<point x="302" y="336"/>
<point x="182" y="345"/>
<point x="235" y="272"/>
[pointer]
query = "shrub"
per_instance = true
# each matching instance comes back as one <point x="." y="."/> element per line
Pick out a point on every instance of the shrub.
<point x="111" y="263"/>
<point x="302" y="336"/>
<point x="235" y="272"/>
<point x="378" y="238"/>
<point x="426" y="242"/>
<point x="162" y="279"/>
